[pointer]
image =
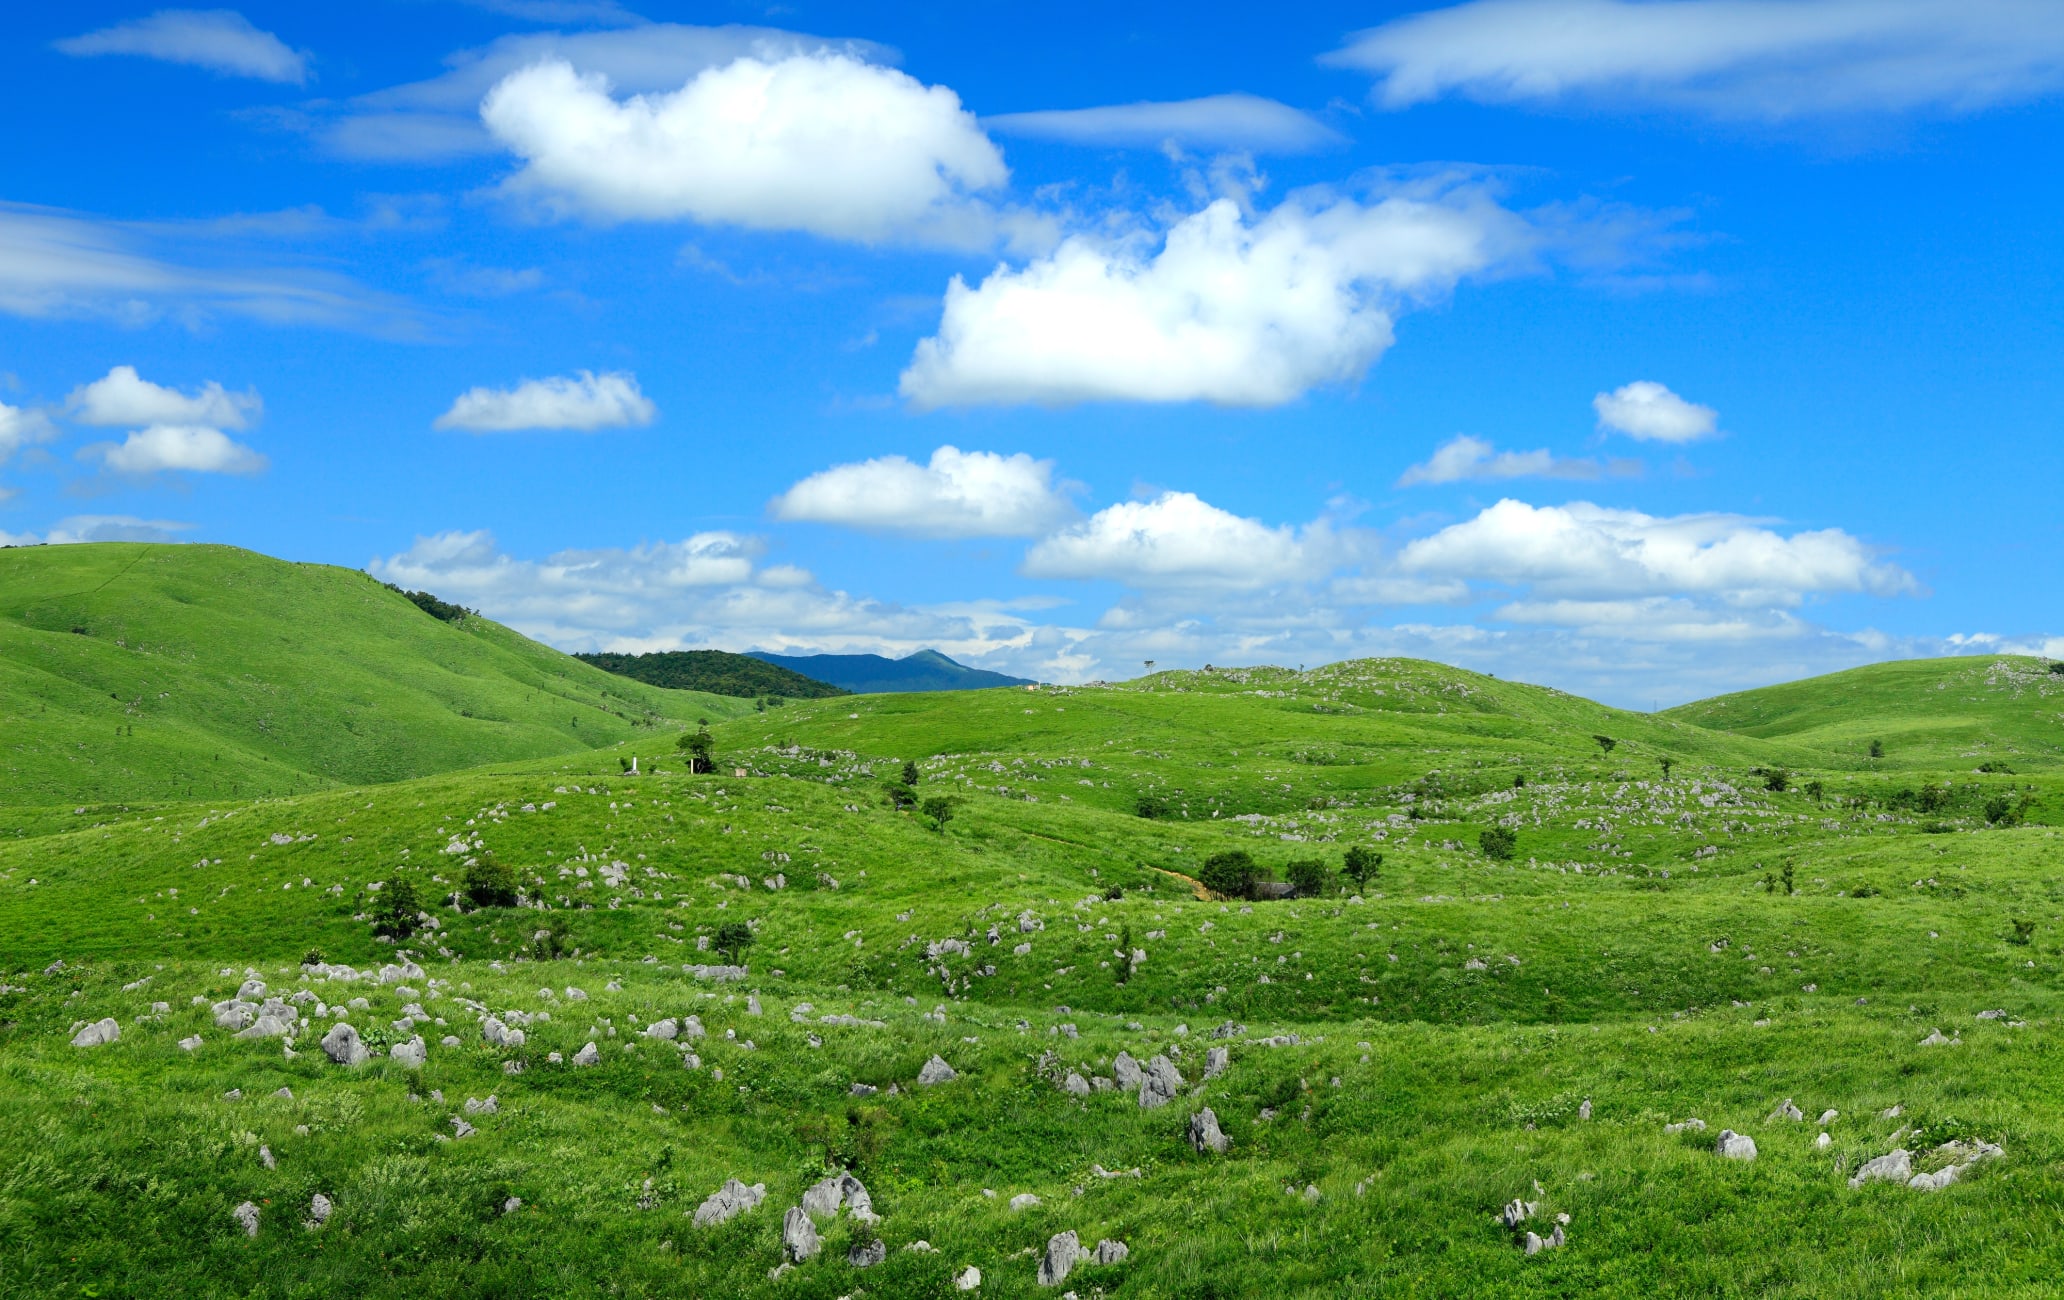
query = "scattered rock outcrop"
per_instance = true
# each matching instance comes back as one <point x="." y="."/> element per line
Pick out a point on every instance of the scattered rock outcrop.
<point x="728" y="1202"/>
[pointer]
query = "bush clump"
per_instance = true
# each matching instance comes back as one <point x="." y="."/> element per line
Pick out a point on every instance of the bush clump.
<point x="1307" y="876"/>
<point x="395" y="914"/>
<point x="1229" y="874"/>
<point x="490" y="883"/>
<point x="1499" y="843"/>
<point x="732" y="940"/>
<point x="1361" y="864"/>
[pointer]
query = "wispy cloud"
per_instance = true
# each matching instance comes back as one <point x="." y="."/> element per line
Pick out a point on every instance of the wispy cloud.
<point x="583" y="403"/>
<point x="220" y="40"/>
<point x="1245" y="122"/>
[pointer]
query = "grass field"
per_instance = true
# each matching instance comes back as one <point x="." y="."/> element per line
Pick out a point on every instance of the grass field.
<point x="1406" y="1056"/>
<point x="137" y="672"/>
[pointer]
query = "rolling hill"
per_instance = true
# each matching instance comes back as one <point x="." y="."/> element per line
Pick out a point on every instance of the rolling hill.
<point x="1954" y="713"/>
<point x="926" y="670"/>
<point x="133" y="672"/>
<point x="716" y="671"/>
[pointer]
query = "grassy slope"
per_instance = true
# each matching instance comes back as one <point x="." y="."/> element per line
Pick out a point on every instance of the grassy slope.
<point x="1458" y="1087"/>
<point x="1946" y="713"/>
<point x="211" y="671"/>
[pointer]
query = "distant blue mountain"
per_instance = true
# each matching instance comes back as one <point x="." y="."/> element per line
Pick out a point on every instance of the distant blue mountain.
<point x="927" y="670"/>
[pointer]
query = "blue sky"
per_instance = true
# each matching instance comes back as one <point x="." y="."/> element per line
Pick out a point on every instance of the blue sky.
<point x="1648" y="350"/>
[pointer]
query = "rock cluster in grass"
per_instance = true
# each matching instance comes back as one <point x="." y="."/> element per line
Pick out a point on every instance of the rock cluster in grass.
<point x="729" y="1201"/>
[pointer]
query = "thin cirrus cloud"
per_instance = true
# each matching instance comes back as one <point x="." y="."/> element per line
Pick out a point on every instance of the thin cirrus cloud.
<point x="582" y="403"/>
<point x="1178" y="540"/>
<point x="1464" y="458"/>
<point x="56" y="264"/>
<point x="958" y="494"/>
<point x="1245" y="122"/>
<point x="439" y="119"/>
<point x="1227" y="310"/>
<point x="124" y="397"/>
<point x="175" y="448"/>
<point x="1584" y="552"/>
<point x="824" y="143"/>
<point x="220" y="40"/>
<point x="1649" y="412"/>
<point x="1753" y="59"/>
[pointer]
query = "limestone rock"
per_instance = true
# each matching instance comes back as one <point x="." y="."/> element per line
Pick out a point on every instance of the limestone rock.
<point x="190" y="1044"/>
<point x="1205" y="1134"/>
<point x="587" y="1055"/>
<point x="1786" y="1110"/>
<point x="246" y="1216"/>
<point x="728" y="1202"/>
<point x="1111" y="1252"/>
<point x="1063" y="1251"/>
<point x="267" y="1027"/>
<point x="822" y="1199"/>
<point x="1936" y="1181"/>
<point x="968" y="1279"/>
<point x="1024" y="1201"/>
<point x="97" y="1034"/>
<point x="1895" y="1165"/>
<point x="1075" y="1084"/>
<point x="341" y="1045"/>
<point x="867" y="1256"/>
<point x="936" y="1071"/>
<point x="411" y="1054"/>
<point x="1127" y="1071"/>
<point x="1161" y="1083"/>
<point x="799" y="1236"/>
<point x="1735" y="1146"/>
<point x="1216" y="1060"/>
<point x="1693" y="1125"/>
<point x="663" y="1029"/>
<point x="1828" y="1117"/>
<point x="319" y="1210"/>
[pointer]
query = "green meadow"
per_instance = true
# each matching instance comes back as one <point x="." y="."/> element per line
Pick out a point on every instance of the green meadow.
<point x="1587" y="928"/>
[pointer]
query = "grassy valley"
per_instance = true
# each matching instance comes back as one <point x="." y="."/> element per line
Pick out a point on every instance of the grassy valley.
<point x="1719" y="912"/>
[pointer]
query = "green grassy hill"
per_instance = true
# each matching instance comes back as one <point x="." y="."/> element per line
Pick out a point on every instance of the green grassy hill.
<point x="1949" y="713"/>
<point x="133" y="672"/>
<point x="1404" y="1057"/>
<point x="716" y="671"/>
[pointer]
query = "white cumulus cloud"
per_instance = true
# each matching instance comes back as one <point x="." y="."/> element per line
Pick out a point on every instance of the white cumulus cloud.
<point x="1768" y="59"/>
<point x="1246" y="122"/>
<point x="1179" y="540"/>
<point x="220" y="40"/>
<point x="166" y="448"/>
<point x="1650" y="412"/>
<point x="1586" y="552"/>
<point x="20" y="426"/>
<point x="1464" y="457"/>
<point x="958" y="494"/>
<point x="584" y="402"/>
<point x="1227" y="311"/>
<point x="122" y="396"/>
<point x="820" y="142"/>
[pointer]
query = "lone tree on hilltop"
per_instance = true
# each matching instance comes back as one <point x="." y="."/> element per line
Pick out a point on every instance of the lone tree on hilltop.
<point x="910" y="774"/>
<point x="1499" y="843"/>
<point x="1307" y="876"/>
<point x="699" y="748"/>
<point x="1361" y="864"/>
<point x="1229" y="874"/>
<point x="490" y="883"/>
<point x="940" y="809"/>
<point x="1605" y="743"/>
<point x="732" y="939"/>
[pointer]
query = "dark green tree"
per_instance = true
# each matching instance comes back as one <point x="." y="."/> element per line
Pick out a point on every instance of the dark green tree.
<point x="489" y="883"/>
<point x="1361" y="864"/>
<point x="901" y="797"/>
<point x="732" y="940"/>
<point x="395" y="914"/>
<point x="1229" y="873"/>
<point x="1307" y="876"/>
<point x="940" y="808"/>
<point x="910" y="774"/>
<point x="1667" y="764"/>
<point x="1605" y="743"/>
<point x="1150" y="806"/>
<point x="1499" y="843"/>
<point x="1777" y="780"/>
<point x="699" y="748"/>
<point x="1877" y="749"/>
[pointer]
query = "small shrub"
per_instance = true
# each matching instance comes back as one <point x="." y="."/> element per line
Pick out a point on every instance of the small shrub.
<point x="1519" y="781"/>
<point x="313" y="957"/>
<point x="1877" y="749"/>
<point x="1785" y="879"/>
<point x="1605" y="743"/>
<point x="1777" y="780"/>
<point x="899" y="796"/>
<point x="1229" y="874"/>
<point x="1307" y="876"/>
<point x="1113" y="894"/>
<point x="548" y="943"/>
<point x="910" y="775"/>
<point x="699" y="748"/>
<point x="1996" y="766"/>
<point x="1361" y="864"/>
<point x="1150" y="806"/>
<point x="490" y="883"/>
<point x="732" y="940"/>
<point x="1816" y="791"/>
<point x="1667" y="764"/>
<point x="1499" y="843"/>
<point x="2024" y="932"/>
<point x="1864" y="891"/>
<point x="940" y="809"/>
<point x="395" y="914"/>
<point x="2057" y="666"/>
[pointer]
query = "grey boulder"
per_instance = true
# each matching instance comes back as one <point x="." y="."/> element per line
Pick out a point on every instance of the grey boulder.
<point x="98" y="1034"/>
<point x="1127" y="1071"/>
<point x="1216" y="1060"/>
<point x="411" y="1054"/>
<point x="342" y="1045"/>
<point x="936" y="1071"/>
<point x="1895" y="1166"/>
<point x="1161" y="1083"/>
<point x="867" y="1256"/>
<point x="799" y="1236"/>
<point x="1735" y="1146"/>
<point x="728" y="1202"/>
<point x="1063" y="1252"/>
<point x="1205" y="1134"/>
